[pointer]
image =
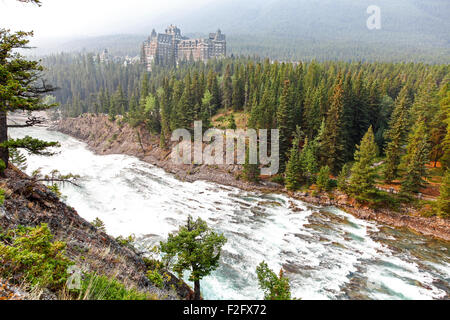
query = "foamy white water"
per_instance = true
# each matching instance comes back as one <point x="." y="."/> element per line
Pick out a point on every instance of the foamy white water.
<point x="327" y="253"/>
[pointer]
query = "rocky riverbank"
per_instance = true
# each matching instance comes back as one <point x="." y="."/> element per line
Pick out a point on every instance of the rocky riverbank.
<point x="105" y="137"/>
<point x="29" y="203"/>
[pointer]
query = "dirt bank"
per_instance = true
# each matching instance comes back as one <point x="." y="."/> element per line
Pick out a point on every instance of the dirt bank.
<point x="106" y="137"/>
<point x="28" y="203"/>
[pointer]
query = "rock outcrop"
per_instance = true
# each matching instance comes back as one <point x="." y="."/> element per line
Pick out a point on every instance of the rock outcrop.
<point x="28" y="203"/>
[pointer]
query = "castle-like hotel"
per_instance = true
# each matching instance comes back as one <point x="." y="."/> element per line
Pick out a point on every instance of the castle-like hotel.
<point x="171" y="47"/>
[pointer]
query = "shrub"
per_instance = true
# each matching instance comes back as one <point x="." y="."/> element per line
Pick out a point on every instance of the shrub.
<point x="99" y="224"/>
<point x="323" y="179"/>
<point x="127" y="241"/>
<point x="156" y="278"/>
<point x="2" y="196"/>
<point x="95" y="287"/>
<point x="2" y="166"/>
<point x="274" y="287"/>
<point x="278" y="179"/>
<point x="30" y="255"/>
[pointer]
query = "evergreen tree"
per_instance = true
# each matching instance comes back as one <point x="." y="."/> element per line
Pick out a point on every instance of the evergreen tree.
<point x="227" y="89"/>
<point x="332" y="144"/>
<point x="445" y="114"/>
<point x="443" y="202"/>
<point x="396" y="135"/>
<point x="308" y="161"/>
<point x="323" y="179"/>
<point x="197" y="249"/>
<point x="293" y="175"/>
<point x="342" y="178"/>
<point x="363" y="173"/>
<point x="417" y="156"/>
<point x="21" y="87"/>
<point x="285" y="123"/>
<point x="274" y="287"/>
<point x="251" y="171"/>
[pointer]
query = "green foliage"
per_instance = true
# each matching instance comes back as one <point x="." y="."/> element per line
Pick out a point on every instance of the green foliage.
<point x="32" y="256"/>
<point x="294" y="171"/>
<point x="274" y="287"/>
<point x="156" y="278"/>
<point x="251" y="171"/>
<point x="323" y="179"/>
<point x="18" y="159"/>
<point x="99" y="287"/>
<point x="2" y="196"/>
<point x="2" y="166"/>
<point x="332" y="144"/>
<point x="34" y="146"/>
<point x="443" y="202"/>
<point x="127" y="241"/>
<point x="417" y="156"/>
<point x="308" y="160"/>
<point x="363" y="173"/>
<point x="285" y="122"/>
<point x="342" y="183"/>
<point x="396" y="135"/>
<point x="197" y="249"/>
<point x="232" y="122"/>
<point x="99" y="224"/>
<point x="55" y="189"/>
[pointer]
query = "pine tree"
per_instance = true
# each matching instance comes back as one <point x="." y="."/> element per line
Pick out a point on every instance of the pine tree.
<point x="251" y="171"/>
<point x="443" y="202"/>
<point x="363" y="173"/>
<point x="445" y="112"/>
<point x="227" y="89"/>
<point x="332" y="144"/>
<point x="285" y="123"/>
<point x="342" y="178"/>
<point x="308" y="160"/>
<point x="417" y="156"/>
<point x="293" y="175"/>
<point x="238" y="96"/>
<point x="21" y="87"/>
<point x="396" y="135"/>
<point x="323" y="179"/>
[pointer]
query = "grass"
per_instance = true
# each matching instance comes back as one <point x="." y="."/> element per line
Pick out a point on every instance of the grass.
<point x="31" y="259"/>
<point x="99" y="287"/>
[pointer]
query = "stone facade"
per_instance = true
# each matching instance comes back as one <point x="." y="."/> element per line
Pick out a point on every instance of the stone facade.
<point x="171" y="47"/>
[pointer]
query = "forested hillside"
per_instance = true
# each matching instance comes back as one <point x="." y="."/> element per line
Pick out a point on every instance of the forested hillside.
<point x="292" y="30"/>
<point x="329" y="114"/>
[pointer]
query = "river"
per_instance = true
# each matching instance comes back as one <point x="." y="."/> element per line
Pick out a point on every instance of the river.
<point x="327" y="253"/>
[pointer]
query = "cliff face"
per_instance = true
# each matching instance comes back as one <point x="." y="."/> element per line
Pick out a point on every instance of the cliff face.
<point x="28" y="203"/>
<point x="106" y="137"/>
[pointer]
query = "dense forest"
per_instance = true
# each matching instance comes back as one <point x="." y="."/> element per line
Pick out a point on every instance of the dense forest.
<point x="334" y="118"/>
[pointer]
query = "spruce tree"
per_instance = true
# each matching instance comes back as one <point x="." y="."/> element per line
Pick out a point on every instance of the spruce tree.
<point x="415" y="159"/>
<point x="332" y="144"/>
<point x="363" y="173"/>
<point x="396" y="136"/>
<point x="323" y="179"/>
<point x="445" y="112"/>
<point x="293" y="175"/>
<point x="21" y="87"/>
<point x="285" y="123"/>
<point x="251" y="171"/>
<point x="308" y="160"/>
<point x="443" y="202"/>
<point x="227" y="89"/>
<point x="342" y="178"/>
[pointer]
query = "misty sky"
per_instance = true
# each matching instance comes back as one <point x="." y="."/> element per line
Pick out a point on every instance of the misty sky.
<point x="57" y="18"/>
